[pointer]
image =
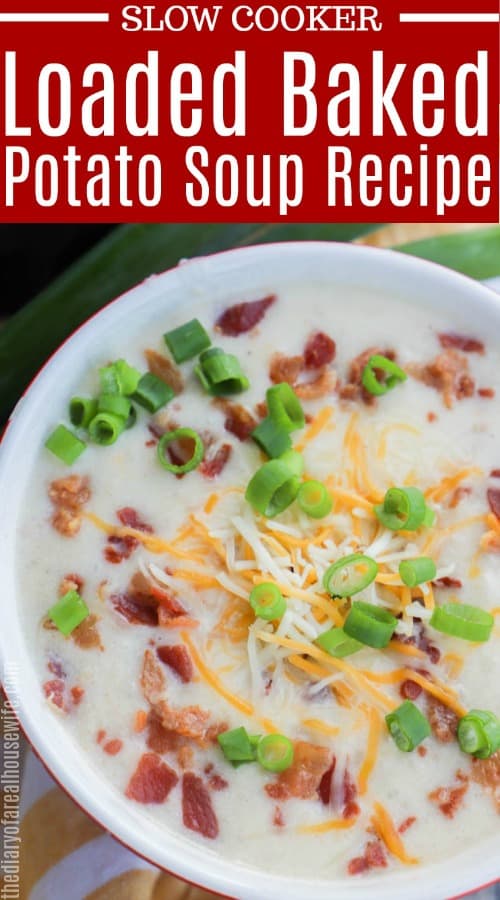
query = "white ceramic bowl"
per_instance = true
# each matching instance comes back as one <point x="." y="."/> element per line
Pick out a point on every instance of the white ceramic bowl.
<point x="228" y="276"/>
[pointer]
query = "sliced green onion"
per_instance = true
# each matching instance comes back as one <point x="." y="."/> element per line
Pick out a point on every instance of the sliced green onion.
<point x="153" y="393"/>
<point x="294" y="461"/>
<point x="65" y="445"/>
<point x="429" y="518"/>
<point x="392" y="373"/>
<point x="408" y="726"/>
<point x="417" y="571"/>
<point x="68" y="612"/>
<point x="272" y="439"/>
<point x="105" y="428"/>
<point x="314" y="499"/>
<point x="110" y="380"/>
<point x="132" y="417"/>
<point x="187" y="341"/>
<point x="350" y="575"/>
<point x="337" y="643"/>
<point x="237" y="746"/>
<point x="115" y="404"/>
<point x="221" y="373"/>
<point x="403" y="509"/>
<point x="272" y="489"/>
<point x="275" y="752"/>
<point x="284" y="407"/>
<point x="184" y="435"/>
<point x="460" y="620"/>
<point x="267" y="601"/>
<point x="82" y="410"/>
<point x="370" y="625"/>
<point x="128" y="377"/>
<point x="479" y="733"/>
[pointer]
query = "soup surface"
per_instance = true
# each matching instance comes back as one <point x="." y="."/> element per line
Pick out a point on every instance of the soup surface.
<point x="171" y="655"/>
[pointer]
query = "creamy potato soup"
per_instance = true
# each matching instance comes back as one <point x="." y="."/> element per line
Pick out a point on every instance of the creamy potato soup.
<point x="261" y="581"/>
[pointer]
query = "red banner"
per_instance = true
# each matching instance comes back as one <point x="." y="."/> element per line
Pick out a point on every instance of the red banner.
<point x="249" y="112"/>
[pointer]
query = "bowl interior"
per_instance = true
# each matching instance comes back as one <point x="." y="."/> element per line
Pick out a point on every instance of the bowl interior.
<point x="229" y="276"/>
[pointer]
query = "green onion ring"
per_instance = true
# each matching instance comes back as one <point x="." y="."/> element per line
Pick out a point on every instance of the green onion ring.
<point x="479" y="733"/>
<point x="314" y="499"/>
<point x="471" y="623"/>
<point x="284" y="407"/>
<point x="395" y="375"/>
<point x="403" y="509"/>
<point x="181" y="434"/>
<point x="370" y="624"/>
<point x="417" y="571"/>
<point x="275" y="752"/>
<point x="105" y="428"/>
<point x="407" y="726"/>
<point x="272" y="489"/>
<point x="350" y="575"/>
<point x="267" y="601"/>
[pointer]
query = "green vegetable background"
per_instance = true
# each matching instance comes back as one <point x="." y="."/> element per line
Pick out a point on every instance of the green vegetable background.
<point x="132" y="252"/>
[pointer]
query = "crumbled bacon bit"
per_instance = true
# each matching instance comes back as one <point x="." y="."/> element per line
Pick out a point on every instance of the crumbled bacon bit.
<point x="410" y="690"/>
<point x="113" y="747"/>
<point x="242" y="317"/>
<point x="189" y="721"/>
<point x="449" y="799"/>
<point x="351" y="808"/>
<point x="495" y="473"/>
<point x="278" y="819"/>
<point x="324" y="383"/>
<point x="460" y="342"/>
<point x="407" y="824"/>
<point x="54" y="692"/>
<point x="353" y="388"/>
<point x="152" y="678"/>
<point x="325" y="785"/>
<point x="285" y="368"/>
<point x="304" y="776"/>
<point x="374" y="857"/>
<point x="71" y="583"/>
<point x="197" y="810"/>
<point x="68" y="496"/>
<point x="493" y="497"/>
<point x="159" y="739"/>
<point x="486" y="393"/>
<point x="442" y="719"/>
<point x="77" y="694"/>
<point x="165" y="370"/>
<point x="152" y="780"/>
<point x="86" y="634"/>
<point x="101" y="734"/>
<point x="178" y="659"/>
<point x="218" y="783"/>
<point x="185" y="756"/>
<point x="119" y="548"/>
<point x="422" y="751"/>
<point x="56" y="667"/>
<point x="319" y="351"/>
<point x="486" y="772"/>
<point x="136" y="609"/>
<point x="448" y="373"/>
<point x="419" y="639"/>
<point x="431" y="417"/>
<point x="447" y="582"/>
<point x="213" y="464"/>
<point x="239" y="421"/>
<point x="130" y="518"/>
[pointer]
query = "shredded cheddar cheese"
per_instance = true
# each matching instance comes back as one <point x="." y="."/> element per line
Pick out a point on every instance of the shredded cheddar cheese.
<point x="387" y="832"/>
<point x="372" y="743"/>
